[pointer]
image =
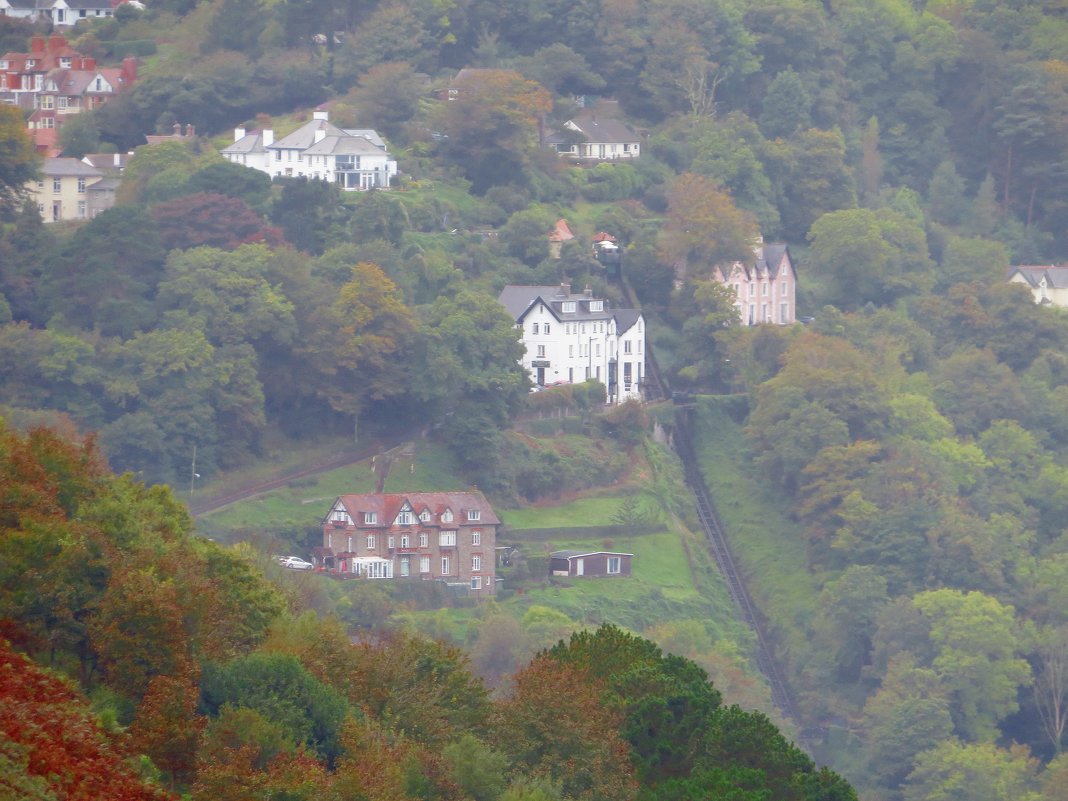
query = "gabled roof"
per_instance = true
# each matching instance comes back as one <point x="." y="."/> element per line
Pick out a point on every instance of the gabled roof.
<point x="388" y="505"/>
<point x="561" y="232"/>
<point x="1056" y="276"/>
<point x="766" y="264"/>
<point x="625" y="319"/>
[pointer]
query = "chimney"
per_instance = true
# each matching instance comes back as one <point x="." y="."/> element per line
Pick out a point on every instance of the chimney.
<point x="588" y="291"/>
<point x="565" y="289"/>
<point x="37" y="44"/>
<point x="321" y="115"/>
<point x="56" y="42"/>
<point x="190" y="130"/>
<point x="177" y="128"/>
<point x="239" y="134"/>
<point x="129" y="69"/>
<point x="88" y="63"/>
<point x="320" y="134"/>
<point x="268" y="137"/>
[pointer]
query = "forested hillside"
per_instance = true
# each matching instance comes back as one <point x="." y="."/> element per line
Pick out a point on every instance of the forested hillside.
<point x="910" y="438"/>
<point x="201" y="670"/>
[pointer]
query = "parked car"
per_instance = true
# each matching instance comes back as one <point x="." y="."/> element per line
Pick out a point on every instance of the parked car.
<point x="296" y="563"/>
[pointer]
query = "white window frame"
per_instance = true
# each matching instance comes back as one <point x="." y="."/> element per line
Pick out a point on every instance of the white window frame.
<point x="445" y="566"/>
<point x="476" y="537"/>
<point x="447" y="539"/>
<point x="370" y="518"/>
<point x="391" y="542"/>
<point x="424" y="564"/>
<point x="476" y="563"/>
<point x="370" y="541"/>
<point x="405" y="518"/>
<point x="474" y="514"/>
<point x="617" y="563"/>
<point x="405" y="541"/>
<point x="424" y="539"/>
<point x="476" y="582"/>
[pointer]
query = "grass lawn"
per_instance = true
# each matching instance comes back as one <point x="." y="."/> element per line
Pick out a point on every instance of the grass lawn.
<point x="583" y="512"/>
<point x="304" y="502"/>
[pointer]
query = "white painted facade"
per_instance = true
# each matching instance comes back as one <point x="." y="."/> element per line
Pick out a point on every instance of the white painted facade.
<point x="354" y="159"/>
<point x="570" y="338"/>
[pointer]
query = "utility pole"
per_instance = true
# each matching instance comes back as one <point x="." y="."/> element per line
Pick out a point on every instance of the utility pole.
<point x="193" y="471"/>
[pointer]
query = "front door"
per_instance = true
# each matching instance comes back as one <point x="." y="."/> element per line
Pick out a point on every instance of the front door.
<point x="580" y="567"/>
<point x="541" y="376"/>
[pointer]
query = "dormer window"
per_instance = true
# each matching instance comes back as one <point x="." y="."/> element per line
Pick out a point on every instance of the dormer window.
<point x="405" y="518"/>
<point x="474" y="514"/>
<point x="370" y="518"/>
<point x="424" y="516"/>
<point x="568" y="307"/>
<point x="65" y="62"/>
<point x="446" y="516"/>
<point x="596" y="305"/>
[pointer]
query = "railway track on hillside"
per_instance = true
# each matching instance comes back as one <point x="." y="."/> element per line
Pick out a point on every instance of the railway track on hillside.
<point x="717" y="541"/>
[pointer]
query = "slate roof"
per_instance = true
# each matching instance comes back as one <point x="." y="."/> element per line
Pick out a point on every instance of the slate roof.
<point x="1056" y="277"/>
<point x="62" y="167"/>
<point x="304" y="136"/>
<point x="518" y="299"/>
<point x="249" y="143"/>
<point x="343" y="146"/>
<point x="387" y="506"/>
<point x="603" y="129"/>
<point x="370" y="134"/>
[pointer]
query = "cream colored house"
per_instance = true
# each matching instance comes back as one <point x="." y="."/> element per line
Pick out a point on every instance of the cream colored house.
<point x="1048" y="283"/>
<point x="64" y="190"/>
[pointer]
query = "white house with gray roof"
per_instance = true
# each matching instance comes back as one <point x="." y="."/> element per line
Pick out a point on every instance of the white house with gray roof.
<point x="570" y="337"/>
<point x="595" y="135"/>
<point x="354" y="158"/>
<point x="1048" y="282"/>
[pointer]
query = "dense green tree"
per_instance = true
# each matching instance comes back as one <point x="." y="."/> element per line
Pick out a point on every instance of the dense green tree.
<point x="977" y="772"/>
<point x="786" y="106"/>
<point x="282" y="691"/>
<point x="977" y="657"/>
<point x="908" y="715"/>
<point x="18" y="158"/>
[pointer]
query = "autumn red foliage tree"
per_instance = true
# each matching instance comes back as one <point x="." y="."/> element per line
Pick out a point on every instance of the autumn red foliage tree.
<point x="211" y="219"/>
<point x="57" y="738"/>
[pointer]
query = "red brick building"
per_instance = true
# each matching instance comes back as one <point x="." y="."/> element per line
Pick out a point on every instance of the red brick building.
<point x="441" y="536"/>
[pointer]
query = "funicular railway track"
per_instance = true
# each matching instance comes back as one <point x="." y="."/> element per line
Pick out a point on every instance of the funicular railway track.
<point x="656" y="389"/>
<point x="717" y="541"/>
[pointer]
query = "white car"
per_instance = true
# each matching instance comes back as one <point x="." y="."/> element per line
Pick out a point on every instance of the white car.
<point x="296" y="563"/>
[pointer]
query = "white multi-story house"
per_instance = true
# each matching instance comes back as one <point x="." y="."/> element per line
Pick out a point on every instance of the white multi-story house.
<point x="572" y="337"/>
<point x="354" y="158"/>
<point x="765" y="290"/>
